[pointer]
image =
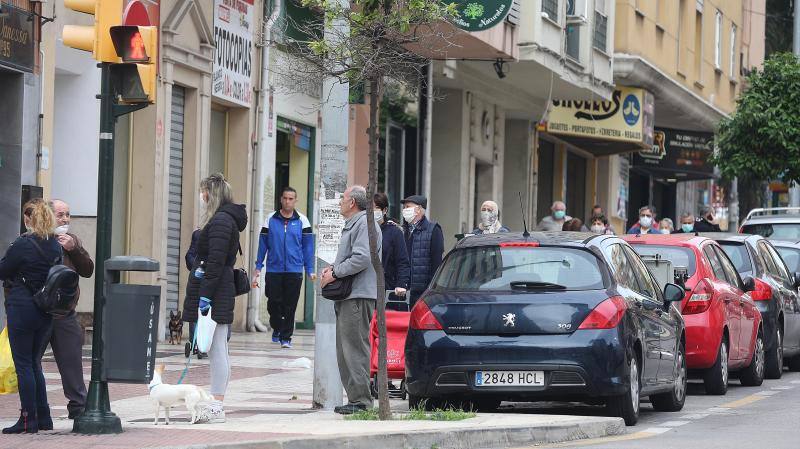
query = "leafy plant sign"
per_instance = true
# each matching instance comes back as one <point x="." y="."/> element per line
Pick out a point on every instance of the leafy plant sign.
<point x="479" y="15"/>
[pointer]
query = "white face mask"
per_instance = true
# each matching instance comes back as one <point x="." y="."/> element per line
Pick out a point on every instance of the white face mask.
<point x="598" y="229"/>
<point x="409" y="213"/>
<point x="61" y="230"/>
<point x="378" y="215"/>
<point x="488" y="217"/>
<point x="645" y="222"/>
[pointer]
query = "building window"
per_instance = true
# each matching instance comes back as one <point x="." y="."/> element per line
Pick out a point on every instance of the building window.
<point x="550" y="7"/>
<point x="718" y="40"/>
<point x="681" y="60"/>
<point x="733" y="51"/>
<point x="573" y="37"/>
<point x="600" y="31"/>
<point x="698" y="46"/>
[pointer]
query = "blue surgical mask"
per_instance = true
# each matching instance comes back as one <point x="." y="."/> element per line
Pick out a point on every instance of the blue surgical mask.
<point x="559" y="214"/>
<point x="687" y="228"/>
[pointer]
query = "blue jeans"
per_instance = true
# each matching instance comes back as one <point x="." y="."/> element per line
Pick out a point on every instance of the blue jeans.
<point x="28" y="329"/>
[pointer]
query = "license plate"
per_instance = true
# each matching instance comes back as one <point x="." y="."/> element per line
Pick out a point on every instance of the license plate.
<point x="509" y="378"/>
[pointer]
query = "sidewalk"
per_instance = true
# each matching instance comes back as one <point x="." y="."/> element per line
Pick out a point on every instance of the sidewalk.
<point x="270" y="403"/>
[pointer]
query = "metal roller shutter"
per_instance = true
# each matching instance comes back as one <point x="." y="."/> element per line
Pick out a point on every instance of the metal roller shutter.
<point x="175" y="198"/>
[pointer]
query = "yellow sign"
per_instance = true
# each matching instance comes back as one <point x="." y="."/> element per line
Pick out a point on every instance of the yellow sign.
<point x="627" y="117"/>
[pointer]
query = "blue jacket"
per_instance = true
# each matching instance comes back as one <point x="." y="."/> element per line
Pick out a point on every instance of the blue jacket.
<point x="396" y="268"/>
<point x="288" y="244"/>
<point x="425" y="246"/>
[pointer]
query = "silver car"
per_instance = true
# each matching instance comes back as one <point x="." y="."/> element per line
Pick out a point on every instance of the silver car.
<point x="775" y="223"/>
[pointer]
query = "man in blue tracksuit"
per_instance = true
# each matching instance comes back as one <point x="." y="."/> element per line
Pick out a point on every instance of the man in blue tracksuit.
<point x="288" y="244"/>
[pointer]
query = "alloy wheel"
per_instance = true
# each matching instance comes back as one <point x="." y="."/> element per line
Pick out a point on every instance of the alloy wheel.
<point x="723" y="354"/>
<point x="681" y="378"/>
<point x="779" y="343"/>
<point x="634" y="386"/>
<point x="759" y="355"/>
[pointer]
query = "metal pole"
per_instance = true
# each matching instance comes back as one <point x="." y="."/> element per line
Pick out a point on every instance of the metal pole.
<point x="98" y="418"/>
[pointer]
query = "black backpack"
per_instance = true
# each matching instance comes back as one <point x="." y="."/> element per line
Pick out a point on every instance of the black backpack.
<point x="58" y="296"/>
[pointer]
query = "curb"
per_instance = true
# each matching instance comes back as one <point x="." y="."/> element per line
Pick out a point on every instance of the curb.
<point x="491" y="438"/>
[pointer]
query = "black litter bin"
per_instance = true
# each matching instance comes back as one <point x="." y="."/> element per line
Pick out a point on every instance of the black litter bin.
<point x="130" y="322"/>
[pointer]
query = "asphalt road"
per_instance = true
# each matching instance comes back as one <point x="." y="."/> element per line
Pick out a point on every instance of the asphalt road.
<point x="765" y="417"/>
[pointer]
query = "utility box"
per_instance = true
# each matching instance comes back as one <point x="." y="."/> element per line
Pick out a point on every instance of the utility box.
<point x="661" y="269"/>
<point x="130" y="322"/>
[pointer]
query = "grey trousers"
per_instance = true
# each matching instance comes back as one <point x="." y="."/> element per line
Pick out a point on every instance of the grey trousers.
<point x="65" y="339"/>
<point x="352" y="347"/>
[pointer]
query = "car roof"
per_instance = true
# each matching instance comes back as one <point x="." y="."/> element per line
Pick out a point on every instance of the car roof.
<point x="731" y="237"/>
<point x="785" y="243"/>
<point x="556" y="238"/>
<point x="682" y="239"/>
<point x="770" y="219"/>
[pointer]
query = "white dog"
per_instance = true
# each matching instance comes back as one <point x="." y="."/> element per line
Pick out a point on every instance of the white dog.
<point x="167" y="396"/>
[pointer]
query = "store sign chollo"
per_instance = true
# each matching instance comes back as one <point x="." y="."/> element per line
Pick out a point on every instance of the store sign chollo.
<point x="479" y="15"/>
<point x="628" y="117"/>
<point x="16" y="39"/>
<point x="233" y="57"/>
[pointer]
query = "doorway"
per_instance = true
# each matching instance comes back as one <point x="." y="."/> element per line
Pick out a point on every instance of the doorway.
<point x="576" y="185"/>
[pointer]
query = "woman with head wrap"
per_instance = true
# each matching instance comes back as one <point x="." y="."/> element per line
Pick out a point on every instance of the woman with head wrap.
<point x="489" y="219"/>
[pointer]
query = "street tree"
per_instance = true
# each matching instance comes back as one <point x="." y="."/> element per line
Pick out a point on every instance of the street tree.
<point x="367" y="43"/>
<point x="761" y="139"/>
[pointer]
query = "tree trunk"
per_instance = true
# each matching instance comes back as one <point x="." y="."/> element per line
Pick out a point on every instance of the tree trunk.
<point x="375" y="94"/>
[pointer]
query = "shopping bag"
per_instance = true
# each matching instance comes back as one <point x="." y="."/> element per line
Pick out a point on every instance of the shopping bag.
<point x="204" y="330"/>
<point x="8" y="375"/>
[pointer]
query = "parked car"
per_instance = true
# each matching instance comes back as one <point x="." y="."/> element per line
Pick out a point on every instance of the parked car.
<point x="551" y="316"/>
<point x="723" y="325"/>
<point x="775" y="295"/>
<point x="778" y="223"/>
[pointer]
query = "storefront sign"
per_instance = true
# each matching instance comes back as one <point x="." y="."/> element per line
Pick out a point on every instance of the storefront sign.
<point x="479" y="15"/>
<point x="678" y="154"/>
<point x="627" y="117"/>
<point x="233" y="58"/>
<point x="16" y="39"/>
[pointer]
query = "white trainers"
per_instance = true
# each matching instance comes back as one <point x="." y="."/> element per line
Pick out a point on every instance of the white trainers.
<point x="211" y="413"/>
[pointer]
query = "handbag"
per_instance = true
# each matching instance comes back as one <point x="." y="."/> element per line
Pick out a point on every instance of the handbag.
<point x="339" y="289"/>
<point x="8" y="375"/>
<point x="204" y="330"/>
<point x="241" y="279"/>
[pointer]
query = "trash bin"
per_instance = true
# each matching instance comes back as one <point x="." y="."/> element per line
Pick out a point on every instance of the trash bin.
<point x="130" y="322"/>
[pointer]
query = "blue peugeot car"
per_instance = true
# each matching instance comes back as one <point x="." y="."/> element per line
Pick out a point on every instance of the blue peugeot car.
<point x="547" y="316"/>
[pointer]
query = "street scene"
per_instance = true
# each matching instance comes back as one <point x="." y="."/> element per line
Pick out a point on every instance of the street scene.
<point x="404" y="224"/>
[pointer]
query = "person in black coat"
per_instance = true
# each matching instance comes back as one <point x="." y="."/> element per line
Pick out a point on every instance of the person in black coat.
<point x="394" y="255"/>
<point x="25" y="267"/>
<point x="706" y="221"/>
<point x="211" y="287"/>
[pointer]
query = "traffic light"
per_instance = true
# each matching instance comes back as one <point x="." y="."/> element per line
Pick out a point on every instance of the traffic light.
<point x="96" y="39"/>
<point x="136" y="77"/>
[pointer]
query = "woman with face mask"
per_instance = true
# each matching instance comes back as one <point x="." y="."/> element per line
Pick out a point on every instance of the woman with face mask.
<point x="599" y="225"/>
<point x="489" y="219"/>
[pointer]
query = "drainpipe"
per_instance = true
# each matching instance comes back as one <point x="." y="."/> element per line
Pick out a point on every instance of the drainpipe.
<point x="254" y="324"/>
<point x="427" y="159"/>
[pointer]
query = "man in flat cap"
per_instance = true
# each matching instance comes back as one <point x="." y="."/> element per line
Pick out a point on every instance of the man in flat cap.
<point x="424" y="242"/>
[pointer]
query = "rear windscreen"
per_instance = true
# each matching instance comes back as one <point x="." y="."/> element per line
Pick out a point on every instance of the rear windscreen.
<point x="776" y="231"/>
<point x="495" y="268"/>
<point x="792" y="258"/>
<point x="678" y="255"/>
<point x="737" y="253"/>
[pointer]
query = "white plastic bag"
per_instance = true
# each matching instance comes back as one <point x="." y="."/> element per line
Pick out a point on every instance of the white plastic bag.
<point x="204" y="330"/>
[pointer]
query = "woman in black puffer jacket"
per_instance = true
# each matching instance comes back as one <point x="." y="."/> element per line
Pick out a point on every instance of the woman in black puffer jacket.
<point x="211" y="284"/>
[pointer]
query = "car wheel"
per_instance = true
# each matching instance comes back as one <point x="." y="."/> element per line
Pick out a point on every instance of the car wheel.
<point x="715" y="379"/>
<point x="753" y="374"/>
<point x="626" y="405"/>
<point x="673" y="401"/>
<point x="794" y="363"/>
<point x="774" y="358"/>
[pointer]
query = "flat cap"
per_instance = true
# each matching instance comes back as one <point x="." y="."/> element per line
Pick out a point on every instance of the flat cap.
<point x="418" y="200"/>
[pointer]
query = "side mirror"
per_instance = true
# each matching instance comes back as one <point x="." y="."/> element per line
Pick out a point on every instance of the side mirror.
<point x="750" y="283"/>
<point x="796" y="280"/>
<point x="673" y="293"/>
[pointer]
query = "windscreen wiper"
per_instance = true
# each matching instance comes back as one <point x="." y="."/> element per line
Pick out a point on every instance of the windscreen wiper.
<point x="534" y="285"/>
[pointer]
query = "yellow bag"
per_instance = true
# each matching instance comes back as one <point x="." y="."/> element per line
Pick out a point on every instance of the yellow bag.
<point x="8" y="375"/>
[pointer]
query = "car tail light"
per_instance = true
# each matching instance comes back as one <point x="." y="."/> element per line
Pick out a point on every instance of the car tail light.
<point x="606" y="315"/>
<point x="700" y="300"/>
<point x="422" y="318"/>
<point x="762" y="292"/>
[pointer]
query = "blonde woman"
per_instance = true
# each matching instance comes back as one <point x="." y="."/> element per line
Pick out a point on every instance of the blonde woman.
<point x="211" y="286"/>
<point x="25" y="266"/>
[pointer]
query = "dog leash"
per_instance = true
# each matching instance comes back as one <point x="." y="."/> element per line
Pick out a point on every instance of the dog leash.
<point x="189" y="360"/>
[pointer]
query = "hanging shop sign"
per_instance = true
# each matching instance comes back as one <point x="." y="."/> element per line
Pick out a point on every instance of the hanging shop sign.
<point x="233" y="57"/>
<point x="479" y="15"/>
<point x="627" y="117"/>
<point x="678" y="154"/>
<point x="16" y="39"/>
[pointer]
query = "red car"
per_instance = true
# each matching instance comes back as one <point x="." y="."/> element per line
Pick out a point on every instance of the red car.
<point x="723" y="324"/>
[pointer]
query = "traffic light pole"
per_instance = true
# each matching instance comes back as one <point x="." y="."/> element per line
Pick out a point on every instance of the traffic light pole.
<point x="97" y="417"/>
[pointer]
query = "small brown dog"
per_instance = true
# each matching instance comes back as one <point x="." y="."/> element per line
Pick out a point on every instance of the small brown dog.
<point x="175" y="327"/>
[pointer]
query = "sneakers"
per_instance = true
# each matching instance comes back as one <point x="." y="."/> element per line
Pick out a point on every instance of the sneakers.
<point x="211" y="413"/>
<point x="286" y="344"/>
<point x="276" y="338"/>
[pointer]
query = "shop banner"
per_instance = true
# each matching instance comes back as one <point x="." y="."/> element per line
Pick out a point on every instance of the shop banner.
<point x="628" y="117"/>
<point x="479" y="15"/>
<point x="233" y="58"/>
<point x="678" y="154"/>
<point x="16" y="39"/>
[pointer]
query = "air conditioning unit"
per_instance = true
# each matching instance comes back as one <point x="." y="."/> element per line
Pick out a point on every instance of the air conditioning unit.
<point x="577" y="12"/>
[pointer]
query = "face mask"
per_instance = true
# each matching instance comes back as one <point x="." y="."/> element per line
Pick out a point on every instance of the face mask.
<point x="598" y="229"/>
<point x="409" y="213"/>
<point x="559" y="214"/>
<point x="645" y="222"/>
<point x="687" y="228"/>
<point x="202" y="200"/>
<point x="665" y="231"/>
<point x="61" y="230"/>
<point x="488" y="217"/>
<point x="378" y="215"/>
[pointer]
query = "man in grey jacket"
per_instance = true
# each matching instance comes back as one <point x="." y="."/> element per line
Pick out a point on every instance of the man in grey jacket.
<point x="354" y="313"/>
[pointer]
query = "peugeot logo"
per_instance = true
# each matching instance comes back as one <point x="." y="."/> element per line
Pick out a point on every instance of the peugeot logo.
<point x="508" y="319"/>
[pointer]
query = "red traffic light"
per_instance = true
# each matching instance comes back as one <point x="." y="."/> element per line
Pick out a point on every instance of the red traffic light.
<point x="129" y="43"/>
